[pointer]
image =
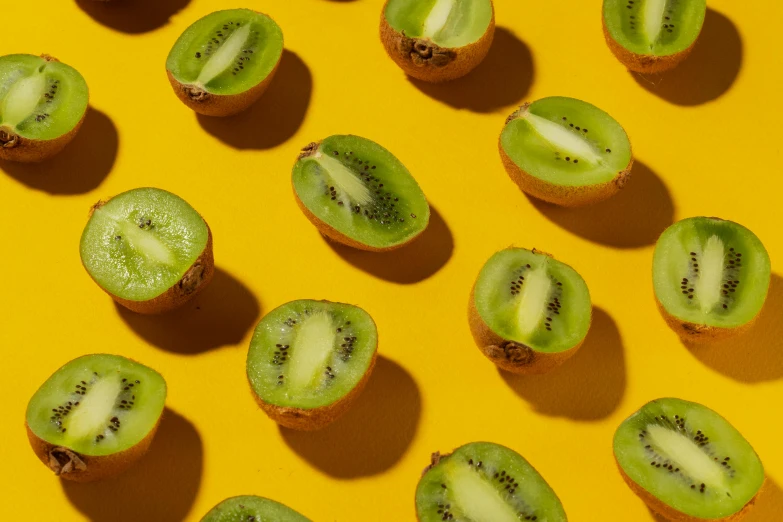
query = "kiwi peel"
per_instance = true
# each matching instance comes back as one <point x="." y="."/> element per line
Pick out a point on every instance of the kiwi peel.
<point x="251" y="508"/>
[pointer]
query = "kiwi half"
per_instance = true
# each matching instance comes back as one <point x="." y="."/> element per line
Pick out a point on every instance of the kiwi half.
<point x="357" y="193"/>
<point x="437" y="40"/>
<point x="711" y="278"/>
<point x="687" y="462"/>
<point x="42" y="105"/>
<point x="223" y="62"/>
<point x="528" y="312"/>
<point x="148" y="249"/>
<point x="309" y="360"/>
<point x="485" y="482"/>
<point x="565" y="151"/>
<point x="249" y="508"/>
<point x="651" y="36"/>
<point x="95" y="416"/>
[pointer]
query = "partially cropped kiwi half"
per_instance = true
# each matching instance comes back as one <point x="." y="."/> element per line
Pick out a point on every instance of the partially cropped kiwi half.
<point x="42" y="105"/>
<point x="224" y="62"/>
<point x="711" y="278"/>
<point x="486" y="482"/>
<point x="357" y="193"/>
<point x="652" y="36"/>
<point x="148" y="249"/>
<point x="250" y="508"/>
<point x="437" y="40"/>
<point x="95" y="416"/>
<point x="309" y="360"/>
<point x="687" y="462"/>
<point x="565" y="151"/>
<point x="528" y="312"/>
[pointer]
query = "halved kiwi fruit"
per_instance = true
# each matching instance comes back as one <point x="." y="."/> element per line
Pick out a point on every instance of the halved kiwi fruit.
<point x="651" y="36"/>
<point x="148" y="249"/>
<point x="687" y="462"/>
<point x="250" y="508"/>
<point x="42" y="105"/>
<point x="437" y="40"/>
<point x="485" y="482"/>
<point x="95" y="416"/>
<point x="565" y="151"/>
<point x="357" y="193"/>
<point x="223" y="62"/>
<point x="711" y="278"/>
<point x="528" y="312"/>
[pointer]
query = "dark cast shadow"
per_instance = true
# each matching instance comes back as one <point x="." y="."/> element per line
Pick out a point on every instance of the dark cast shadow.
<point x="81" y="166"/>
<point x="504" y="78"/>
<point x="162" y="486"/>
<point x="373" y="435"/>
<point x="632" y="218"/>
<point x="132" y="16"/>
<point x="587" y="387"/>
<point x="708" y="72"/>
<point x="221" y="315"/>
<point x="273" y="119"/>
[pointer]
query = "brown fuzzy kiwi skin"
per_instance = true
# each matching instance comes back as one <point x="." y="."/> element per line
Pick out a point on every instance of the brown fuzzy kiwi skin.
<point x="692" y="333"/>
<point x="424" y="60"/>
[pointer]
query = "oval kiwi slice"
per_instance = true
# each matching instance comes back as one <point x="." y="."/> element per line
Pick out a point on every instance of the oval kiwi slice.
<point x="650" y="36"/>
<point x="249" y="508"/>
<point x="148" y="249"/>
<point x="437" y="40"/>
<point x="687" y="462"/>
<point x="485" y="482"/>
<point x="565" y="151"/>
<point x="223" y="62"/>
<point x="309" y="360"/>
<point x="357" y="193"/>
<point x="711" y="278"/>
<point x="528" y="312"/>
<point x="95" y="416"/>
<point x="42" y="105"/>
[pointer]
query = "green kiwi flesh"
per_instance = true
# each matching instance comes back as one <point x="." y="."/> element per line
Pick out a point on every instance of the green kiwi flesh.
<point x="485" y="482"/>
<point x="249" y="508"/>
<point x="685" y="459"/>
<point x="358" y="193"/>
<point x="447" y="23"/>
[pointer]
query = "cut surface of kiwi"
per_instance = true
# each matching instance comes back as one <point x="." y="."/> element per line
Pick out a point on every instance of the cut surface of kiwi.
<point x="358" y="193"/>
<point x="711" y="277"/>
<point x="565" y="151"/>
<point x="485" y="482"/>
<point x="250" y="508"/>
<point x="682" y="458"/>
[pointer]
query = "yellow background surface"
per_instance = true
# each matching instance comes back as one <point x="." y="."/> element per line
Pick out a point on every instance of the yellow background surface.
<point x="707" y="139"/>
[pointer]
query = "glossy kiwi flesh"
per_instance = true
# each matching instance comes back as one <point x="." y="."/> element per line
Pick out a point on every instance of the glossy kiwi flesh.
<point x="249" y="508"/>
<point x="711" y="277"/>
<point x="357" y="193"/>
<point x="95" y="416"/>
<point x="485" y="482"/>
<point x="565" y="151"/>
<point x="42" y="105"/>
<point x="308" y="360"/>
<point x="687" y="462"/>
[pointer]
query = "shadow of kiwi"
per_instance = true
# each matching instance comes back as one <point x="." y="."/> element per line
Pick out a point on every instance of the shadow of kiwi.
<point x="132" y="16"/>
<point x="708" y="72"/>
<point x="221" y="315"/>
<point x="274" y="118"/>
<point x="81" y="166"/>
<point x="373" y="435"/>
<point x="587" y="387"/>
<point x="162" y="486"/>
<point x="632" y="218"/>
<point x="502" y="79"/>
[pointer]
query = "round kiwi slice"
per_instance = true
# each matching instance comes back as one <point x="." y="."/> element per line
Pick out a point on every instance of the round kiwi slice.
<point x="651" y="36"/>
<point x="42" y="105"/>
<point x="250" y="508"/>
<point x="95" y="416"/>
<point x="528" y="312"/>
<point x="223" y="63"/>
<point x="437" y="40"/>
<point x="309" y="360"/>
<point x="148" y="249"/>
<point x="687" y="462"/>
<point x="485" y="482"/>
<point x="565" y="151"/>
<point x="711" y="278"/>
<point x="357" y="193"/>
